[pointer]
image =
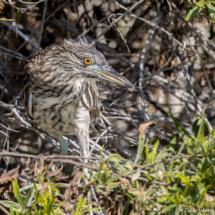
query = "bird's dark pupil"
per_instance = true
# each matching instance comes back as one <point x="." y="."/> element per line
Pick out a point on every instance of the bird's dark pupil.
<point x="88" y="60"/>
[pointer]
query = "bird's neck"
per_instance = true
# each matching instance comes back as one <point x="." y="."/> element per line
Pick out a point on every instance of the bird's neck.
<point x="73" y="88"/>
<point x="65" y="87"/>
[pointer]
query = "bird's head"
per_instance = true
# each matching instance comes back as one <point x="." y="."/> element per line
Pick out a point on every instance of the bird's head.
<point x="92" y="63"/>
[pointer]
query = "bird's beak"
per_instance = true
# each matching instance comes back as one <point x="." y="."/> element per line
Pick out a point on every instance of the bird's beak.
<point x="109" y="74"/>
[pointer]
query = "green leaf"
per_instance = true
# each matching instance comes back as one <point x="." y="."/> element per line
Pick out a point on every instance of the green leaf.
<point x="100" y="165"/>
<point x="153" y="154"/>
<point x="131" y="213"/>
<point x="173" y="200"/>
<point x="182" y="132"/>
<point x="213" y="2"/>
<point x="9" y="204"/>
<point x="8" y="20"/>
<point x="211" y="10"/>
<point x="120" y="168"/>
<point x="134" y="192"/>
<point x="115" y="178"/>
<point x="36" y="196"/>
<point x="80" y="204"/>
<point x="192" y="13"/>
<point x="128" y="165"/>
<point x="101" y="186"/>
<point x="168" y="208"/>
<point x="18" y="195"/>
<point x="200" y="136"/>
<point x="146" y="151"/>
<point x="136" y="175"/>
<point x="149" y="176"/>
<point x="130" y="198"/>
<point x="113" y="185"/>
<point x="106" y="174"/>
<point x="57" y="192"/>
<point x="208" y="125"/>
<point x="186" y="181"/>
<point x="195" y="128"/>
<point x="201" y="4"/>
<point x="125" y="211"/>
<point x="11" y="211"/>
<point x="173" y="141"/>
<point x="114" y="158"/>
<point x="164" y="153"/>
<point x="212" y="134"/>
<point x="183" y="178"/>
<point x="192" y="5"/>
<point x="140" y="148"/>
<point x="28" y="196"/>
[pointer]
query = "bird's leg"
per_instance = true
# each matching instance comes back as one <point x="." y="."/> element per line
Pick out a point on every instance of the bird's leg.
<point x="63" y="146"/>
<point x="82" y="132"/>
<point x="63" y="151"/>
<point x="82" y="121"/>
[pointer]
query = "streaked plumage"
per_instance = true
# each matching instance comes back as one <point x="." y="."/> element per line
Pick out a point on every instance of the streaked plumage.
<point x="60" y="92"/>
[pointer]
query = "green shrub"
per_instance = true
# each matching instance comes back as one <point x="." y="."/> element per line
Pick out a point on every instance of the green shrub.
<point x="160" y="180"/>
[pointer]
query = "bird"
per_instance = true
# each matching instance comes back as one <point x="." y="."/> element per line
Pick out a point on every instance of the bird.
<point x="60" y="92"/>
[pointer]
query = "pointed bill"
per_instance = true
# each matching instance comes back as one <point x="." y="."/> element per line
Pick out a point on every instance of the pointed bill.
<point x="109" y="74"/>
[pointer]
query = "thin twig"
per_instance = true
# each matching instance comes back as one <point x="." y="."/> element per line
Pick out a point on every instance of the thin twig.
<point x="23" y="36"/>
<point x="4" y="210"/>
<point x="42" y="22"/>
<point x="142" y="58"/>
<point x="13" y="154"/>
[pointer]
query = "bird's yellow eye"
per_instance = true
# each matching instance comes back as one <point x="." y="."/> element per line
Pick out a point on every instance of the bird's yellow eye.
<point x="88" y="61"/>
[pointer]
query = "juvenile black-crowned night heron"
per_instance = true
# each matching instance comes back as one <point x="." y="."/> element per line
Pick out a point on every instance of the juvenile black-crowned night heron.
<point x="60" y="92"/>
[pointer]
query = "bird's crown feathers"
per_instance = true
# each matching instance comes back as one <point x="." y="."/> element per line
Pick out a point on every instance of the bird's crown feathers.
<point x="81" y="43"/>
<point x="83" y="49"/>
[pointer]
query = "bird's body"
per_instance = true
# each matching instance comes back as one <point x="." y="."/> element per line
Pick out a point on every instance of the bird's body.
<point x="60" y="92"/>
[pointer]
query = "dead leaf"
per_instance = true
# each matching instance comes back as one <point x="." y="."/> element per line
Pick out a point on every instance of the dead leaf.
<point x="139" y="196"/>
<point x="39" y="166"/>
<point x="44" y="187"/>
<point x="125" y="181"/>
<point x="50" y="164"/>
<point x="89" y="183"/>
<point x="160" y="174"/>
<point x="9" y="176"/>
<point x="55" y="172"/>
<point x="107" y="211"/>
<point x="11" y="2"/>
<point x="144" y="126"/>
<point x="73" y="184"/>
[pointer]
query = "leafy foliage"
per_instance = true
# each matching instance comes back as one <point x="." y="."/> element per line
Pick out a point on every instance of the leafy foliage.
<point x="161" y="180"/>
<point x="44" y="203"/>
<point x="174" y="180"/>
<point x="200" y="6"/>
<point x="82" y="207"/>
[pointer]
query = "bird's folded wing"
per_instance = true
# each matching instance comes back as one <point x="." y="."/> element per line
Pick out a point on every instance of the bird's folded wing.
<point x="91" y="99"/>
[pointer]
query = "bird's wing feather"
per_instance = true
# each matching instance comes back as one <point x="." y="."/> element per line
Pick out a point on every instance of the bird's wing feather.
<point x="91" y="99"/>
<point x="27" y="97"/>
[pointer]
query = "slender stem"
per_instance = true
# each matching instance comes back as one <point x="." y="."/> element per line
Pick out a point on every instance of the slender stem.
<point x="42" y="22"/>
